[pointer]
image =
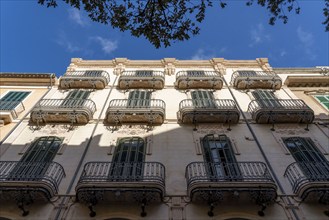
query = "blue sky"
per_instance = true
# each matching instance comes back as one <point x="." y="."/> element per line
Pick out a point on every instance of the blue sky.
<point x="39" y="39"/>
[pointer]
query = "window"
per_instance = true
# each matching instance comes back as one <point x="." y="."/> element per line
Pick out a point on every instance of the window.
<point x="306" y="154"/>
<point x="266" y="99"/>
<point x="138" y="98"/>
<point x="12" y="99"/>
<point x="203" y="99"/>
<point x="195" y="73"/>
<point x="247" y="73"/>
<point x="219" y="156"/>
<point x="94" y="73"/>
<point x="144" y="73"/>
<point x="323" y="99"/>
<point x="76" y="98"/>
<point x="36" y="160"/>
<point x="128" y="159"/>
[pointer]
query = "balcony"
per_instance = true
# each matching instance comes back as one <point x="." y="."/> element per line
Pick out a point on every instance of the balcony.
<point x="212" y="183"/>
<point x="198" y="80"/>
<point x="74" y="111"/>
<point x="149" y="111"/>
<point x="255" y="80"/>
<point x="143" y="182"/>
<point x="265" y="111"/>
<point x="142" y="80"/>
<point x="29" y="180"/>
<point x="91" y="79"/>
<point x="207" y="111"/>
<point x="310" y="181"/>
<point x="9" y="110"/>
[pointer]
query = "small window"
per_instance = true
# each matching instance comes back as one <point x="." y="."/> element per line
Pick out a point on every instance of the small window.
<point x="266" y="99"/>
<point x="247" y="73"/>
<point x="203" y="99"/>
<point x="139" y="98"/>
<point x="323" y="100"/>
<point x="12" y="99"/>
<point x="143" y="73"/>
<point x="195" y="73"/>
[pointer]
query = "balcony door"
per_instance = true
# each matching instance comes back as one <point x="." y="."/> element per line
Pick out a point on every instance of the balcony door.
<point x="310" y="160"/>
<point x="127" y="163"/>
<point x="76" y="98"/>
<point x="266" y="99"/>
<point x="203" y="99"/>
<point x="195" y="73"/>
<point x="36" y="160"/>
<point x="144" y="73"/>
<point x="139" y="99"/>
<point x="219" y="157"/>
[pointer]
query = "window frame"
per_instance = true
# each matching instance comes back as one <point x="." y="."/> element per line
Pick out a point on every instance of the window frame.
<point x="20" y="100"/>
<point x="326" y="96"/>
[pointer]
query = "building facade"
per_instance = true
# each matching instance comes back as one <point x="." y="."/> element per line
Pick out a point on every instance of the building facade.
<point x="165" y="139"/>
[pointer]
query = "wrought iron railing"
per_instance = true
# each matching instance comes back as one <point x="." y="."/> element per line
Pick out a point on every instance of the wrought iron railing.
<point x="254" y="75"/>
<point x="14" y="107"/>
<point x="60" y="104"/>
<point x="299" y="174"/>
<point x="222" y="104"/>
<point x="277" y="104"/>
<point x="197" y="172"/>
<point x="143" y="74"/>
<point x="121" y="104"/>
<point x="89" y="74"/>
<point x="144" y="172"/>
<point x="196" y="74"/>
<point x="49" y="173"/>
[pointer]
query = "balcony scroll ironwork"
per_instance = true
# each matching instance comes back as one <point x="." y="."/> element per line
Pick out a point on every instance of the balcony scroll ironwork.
<point x="25" y="182"/>
<point x="248" y="79"/>
<point x="216" y="182"/>
<point x="143" y="182"/>
<point x="149" y="111"/>
<point x="88" y="79"/>
<point x="142" y="80"/>
<point x="192" y="111"/>
<point x="74" y="111"/>
<point x="198" y="80"/>
<point x="266" y="111"/>
<point x="309" y="180"/>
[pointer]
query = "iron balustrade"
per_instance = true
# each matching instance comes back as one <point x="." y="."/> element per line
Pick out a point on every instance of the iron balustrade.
<point x="151" y="172"/>
<point x="299" y="173"/>
<point x="69" y="104"/>
<point x="89" y="74"/>
<point x="227" y="172"/>
<point x="223" y="104"/>
<point x="259" y="75"/>
<point x="197" y="74"/>
<point x="277" y="104"/>
<point x="143" y="74"/>
<point x="121" y="104"/>
<point x="14" y="107"/>
<point x="48" y="173"/>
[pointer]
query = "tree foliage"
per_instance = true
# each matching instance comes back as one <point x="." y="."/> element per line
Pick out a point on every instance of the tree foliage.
<point x="165" y="21"/>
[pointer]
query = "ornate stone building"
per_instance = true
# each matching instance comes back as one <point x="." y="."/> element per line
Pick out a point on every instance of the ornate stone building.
<point x="165" y="139"/>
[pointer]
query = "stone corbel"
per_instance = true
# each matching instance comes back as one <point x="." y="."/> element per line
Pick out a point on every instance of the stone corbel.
<point x="169" y="64"/>
<point x="120" y="65"/>
<point x="263" y="62"/>
<point x="218" y="65"/>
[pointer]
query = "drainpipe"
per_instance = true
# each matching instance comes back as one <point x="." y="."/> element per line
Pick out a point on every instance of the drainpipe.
<point x="260" y="148"/>
<point x="75" y="176"/>
<point x="21" y="120"/>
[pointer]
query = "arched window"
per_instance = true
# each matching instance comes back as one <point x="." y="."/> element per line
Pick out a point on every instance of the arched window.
<point x="219" y="156"/>
<point x="36" y="160"/>
<point x="128" y="159"/>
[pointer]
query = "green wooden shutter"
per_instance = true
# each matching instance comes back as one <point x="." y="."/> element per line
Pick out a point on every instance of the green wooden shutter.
<point x="12" y="99"/>
<point x="139" y="98"/>
<point x="266" y="99"/>
<point x="202" y="99"/>
<point x="324" y="100"/>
